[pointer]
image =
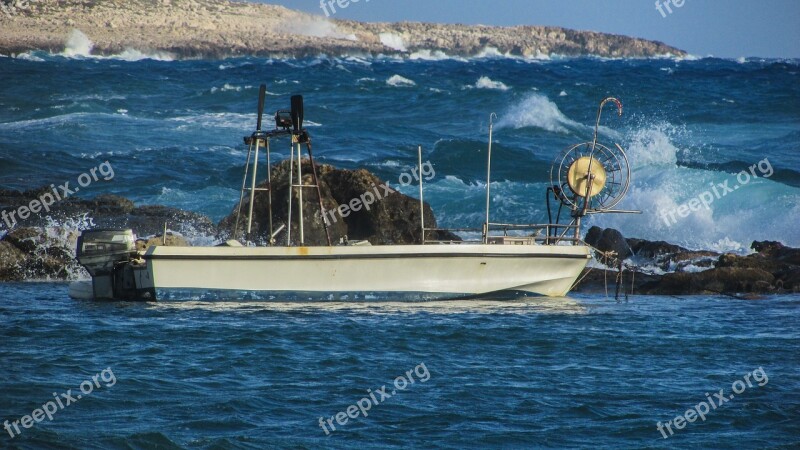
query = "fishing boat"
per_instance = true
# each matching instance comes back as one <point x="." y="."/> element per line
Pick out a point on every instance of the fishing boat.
<point x="503" y="260"/>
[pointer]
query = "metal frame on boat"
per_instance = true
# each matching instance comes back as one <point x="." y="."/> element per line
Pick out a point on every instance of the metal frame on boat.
<point x="541" y="259"/>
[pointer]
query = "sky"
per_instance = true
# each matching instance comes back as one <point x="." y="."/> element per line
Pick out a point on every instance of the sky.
<point x="722" y="28"/>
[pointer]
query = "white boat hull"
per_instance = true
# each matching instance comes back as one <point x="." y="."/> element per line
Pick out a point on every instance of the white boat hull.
<point x="437" y="271"/>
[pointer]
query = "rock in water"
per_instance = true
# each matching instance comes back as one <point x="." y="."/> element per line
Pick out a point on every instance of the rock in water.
<point x="609" y="240"/>
<point x="357" y="204"/>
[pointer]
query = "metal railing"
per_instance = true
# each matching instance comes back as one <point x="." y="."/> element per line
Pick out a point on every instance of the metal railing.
<point x="542" y="234"/>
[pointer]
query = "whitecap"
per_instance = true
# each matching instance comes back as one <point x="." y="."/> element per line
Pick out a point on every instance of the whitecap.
<point x="78" y="44"/>
<point x="488" y="83"/>
<point x="28" y="56"/>
<point x="393" y="41"/>
<point x="433" y="55"/>
<point x="538" y="111"/>
<point x="398" y="81"/>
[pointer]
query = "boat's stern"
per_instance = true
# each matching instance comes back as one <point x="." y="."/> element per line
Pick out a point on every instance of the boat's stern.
<point x="116" y="269"/>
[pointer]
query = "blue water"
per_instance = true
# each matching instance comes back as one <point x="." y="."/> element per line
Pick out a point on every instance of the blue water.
<point x="549" y="373"/>
<point x="579" y="372"/>
<point x="173" y="132"/>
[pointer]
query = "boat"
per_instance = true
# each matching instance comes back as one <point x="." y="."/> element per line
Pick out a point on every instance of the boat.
<point x="507" y="259"/>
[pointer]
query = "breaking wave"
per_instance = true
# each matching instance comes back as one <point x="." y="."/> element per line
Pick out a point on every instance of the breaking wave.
<point x="79" y="45"/>
<point x="399" y="81"/>
<point x="538" y="111"/>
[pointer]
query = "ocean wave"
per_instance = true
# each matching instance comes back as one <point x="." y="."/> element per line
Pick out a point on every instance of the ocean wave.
<point x="62" y="119"/>
<point x="433" y="55"/>
<point x="400" y="81"/>
<point x="29" y="56"/>
<point x="652" y="146"/>
<point x="393" y="41"/>
<point x="238" y="121"/>
<point x="662" y="184"/>
<point x="488" y="83"/>
<point x="538" y="111"/>
<point x="227" y="87"/>
<point x="79" y="45"/>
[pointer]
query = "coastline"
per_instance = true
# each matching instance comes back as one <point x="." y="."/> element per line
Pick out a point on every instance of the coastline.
<point x="220" y="28"/>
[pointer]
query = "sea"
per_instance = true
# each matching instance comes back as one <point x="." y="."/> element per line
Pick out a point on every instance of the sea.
<point x="714" y="150"/>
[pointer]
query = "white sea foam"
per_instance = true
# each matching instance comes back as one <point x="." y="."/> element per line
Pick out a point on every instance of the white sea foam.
<point x="488" y="83"/>
<point x="223" y="120"/>
<point x="660" y="185"/>
<point x="393" y="41"/>
<point x="29" y="56"/>
<point x="79" y="45"/>
<point x="130" y="54"/>
<point x="652" y="146"/>
<point x="538" y="111"/>
<point x="399" y="81"/>
<point x="434" y="55"/>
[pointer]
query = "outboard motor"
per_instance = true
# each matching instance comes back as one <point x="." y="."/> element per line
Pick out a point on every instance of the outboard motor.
<point x="109" y="257"/>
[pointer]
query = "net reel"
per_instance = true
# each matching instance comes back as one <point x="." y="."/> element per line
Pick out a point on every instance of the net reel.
<point x="590" y="177"/>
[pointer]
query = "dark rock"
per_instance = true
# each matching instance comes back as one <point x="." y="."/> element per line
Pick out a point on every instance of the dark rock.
<point x="391" y="218"/>
<point x="723" y="280"/>
<point x="150" y="220"/>
<point x="38" y="253"/>
<point x="26" y="239"/>
<point x="778" y="252"/>
<point x="755" y="261"/>
<point x="593" y="236"/>
<point x="599" y="281"/>
<point x="12" y="262"/>
<point x="106" y="211"/>
<point x="611" y="245"/>
<point x="612" y="241"/>
<point x="653" y="249"/>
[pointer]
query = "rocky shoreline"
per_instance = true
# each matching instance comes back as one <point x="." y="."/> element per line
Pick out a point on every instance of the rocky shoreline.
<point x="222" y="28"/>
<point x="43" y="247"/>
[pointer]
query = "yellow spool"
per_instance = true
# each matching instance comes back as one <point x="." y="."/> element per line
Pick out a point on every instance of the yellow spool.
<point x="577" y="176"/>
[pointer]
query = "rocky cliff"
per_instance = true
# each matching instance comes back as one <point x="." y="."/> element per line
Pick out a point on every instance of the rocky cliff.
<point x="221" y="28"/>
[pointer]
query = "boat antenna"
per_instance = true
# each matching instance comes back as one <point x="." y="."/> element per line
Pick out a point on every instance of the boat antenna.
<point x="492" y="116"/>
<point x="421" y="199"/>
<point x="589" y="174"/>
<point x="253" y="140"/>
<point x="262" y="93"/>
<point x="300" y="136"/>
